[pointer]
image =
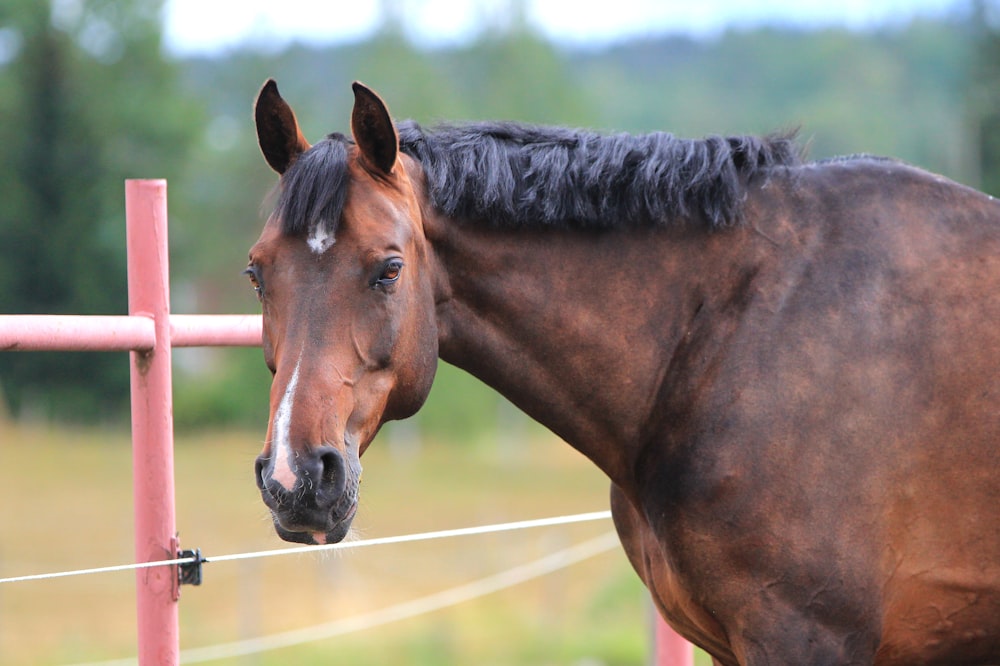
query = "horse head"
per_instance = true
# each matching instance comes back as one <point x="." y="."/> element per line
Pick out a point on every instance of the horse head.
<point x="348" y="309"/>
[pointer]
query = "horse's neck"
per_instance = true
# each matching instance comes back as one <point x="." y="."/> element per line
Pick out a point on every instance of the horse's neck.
<point x="575" y="329"/>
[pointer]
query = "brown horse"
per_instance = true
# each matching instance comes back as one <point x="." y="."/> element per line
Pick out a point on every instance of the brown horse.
<point x="790" y="372"/>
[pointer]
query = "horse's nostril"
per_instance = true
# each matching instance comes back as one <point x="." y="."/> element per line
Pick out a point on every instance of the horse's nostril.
<point x="328" y="466"/>
<point x="332" y="469"/>
<point x="259" y="473"/>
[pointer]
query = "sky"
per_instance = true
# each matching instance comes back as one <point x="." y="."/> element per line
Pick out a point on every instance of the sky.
<point x="209" y="26"/>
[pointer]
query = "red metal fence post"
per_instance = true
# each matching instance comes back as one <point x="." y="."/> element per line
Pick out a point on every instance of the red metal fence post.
<point x="671" y="648"/>
<point x="152" y="424"/>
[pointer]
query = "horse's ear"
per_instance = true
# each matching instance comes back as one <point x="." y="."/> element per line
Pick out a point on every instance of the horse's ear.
<point x="278" y="132"/>
<point x="373" y="130"/>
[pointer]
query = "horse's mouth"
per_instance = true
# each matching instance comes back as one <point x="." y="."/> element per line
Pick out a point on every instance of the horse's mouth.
<point x="335" y="532"/>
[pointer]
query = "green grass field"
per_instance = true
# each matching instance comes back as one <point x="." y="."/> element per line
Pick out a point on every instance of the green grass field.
<point x="67" y="504"/>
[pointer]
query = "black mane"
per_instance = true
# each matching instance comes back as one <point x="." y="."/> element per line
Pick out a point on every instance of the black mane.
<point x="522" y="176"/>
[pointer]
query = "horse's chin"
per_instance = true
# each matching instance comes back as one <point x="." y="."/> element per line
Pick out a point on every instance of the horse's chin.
<point x="335" y="534"/>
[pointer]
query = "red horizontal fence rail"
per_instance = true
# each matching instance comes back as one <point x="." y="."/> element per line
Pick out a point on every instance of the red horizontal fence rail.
<point x="124" y="333"/>
<point x="148" y="333"/>
<point x="75" y="333"/>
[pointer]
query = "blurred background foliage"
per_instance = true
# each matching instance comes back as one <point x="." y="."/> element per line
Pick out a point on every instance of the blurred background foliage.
<point x="89" y="97"/>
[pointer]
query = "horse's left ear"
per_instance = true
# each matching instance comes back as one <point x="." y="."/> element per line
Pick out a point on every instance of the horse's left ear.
<point x="373" y="130"/>
<point x="278" y="131"/>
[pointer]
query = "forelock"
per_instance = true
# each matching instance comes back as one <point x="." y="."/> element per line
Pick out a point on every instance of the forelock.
<point x="313" y="191"/>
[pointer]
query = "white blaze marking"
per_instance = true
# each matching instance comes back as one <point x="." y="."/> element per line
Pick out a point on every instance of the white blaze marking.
<point x="320" y="240"/>
<point x="281" y="450"/>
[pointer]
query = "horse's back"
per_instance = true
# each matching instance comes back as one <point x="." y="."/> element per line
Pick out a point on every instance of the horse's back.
<point x="842" y="458"/>
<point x="927" y="288"/>
<point x="942" y="557"/>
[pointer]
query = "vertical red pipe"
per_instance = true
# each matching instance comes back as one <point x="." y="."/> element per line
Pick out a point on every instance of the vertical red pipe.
<point x="152" y="424"/>
<point x="671" y="648"/>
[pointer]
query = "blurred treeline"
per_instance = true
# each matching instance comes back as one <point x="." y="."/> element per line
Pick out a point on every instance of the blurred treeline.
<point x="88" y="98"/>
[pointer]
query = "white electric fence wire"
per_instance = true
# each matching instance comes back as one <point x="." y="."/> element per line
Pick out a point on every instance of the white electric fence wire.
<point x="408" y="609"/>
<point x="344" y="545"/>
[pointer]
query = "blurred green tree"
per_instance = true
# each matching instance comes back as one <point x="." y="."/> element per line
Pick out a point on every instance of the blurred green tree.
<point x="87" y="100"/>
<point x="984" y="94"/>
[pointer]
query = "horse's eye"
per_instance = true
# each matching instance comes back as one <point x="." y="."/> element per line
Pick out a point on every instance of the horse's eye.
<point x="390" y="272"/>
<point x="254" y="282"/>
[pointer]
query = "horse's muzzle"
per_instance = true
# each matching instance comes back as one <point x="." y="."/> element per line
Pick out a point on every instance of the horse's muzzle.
<point x="320" y="506"/>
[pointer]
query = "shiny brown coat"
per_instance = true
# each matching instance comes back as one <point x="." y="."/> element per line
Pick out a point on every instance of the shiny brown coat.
<point x="799" y="414"/>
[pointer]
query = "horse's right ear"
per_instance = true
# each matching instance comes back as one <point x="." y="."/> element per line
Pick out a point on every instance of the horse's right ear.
<point x="373" y="130"/>
<point x="278" y="132"/>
